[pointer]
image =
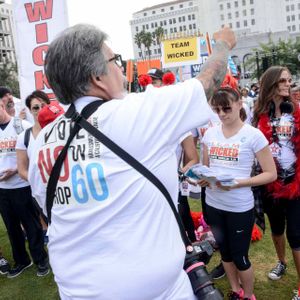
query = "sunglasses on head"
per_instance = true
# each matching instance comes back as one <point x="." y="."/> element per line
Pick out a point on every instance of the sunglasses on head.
<point x="225" y="109"/>
<point x="284" y="80"/>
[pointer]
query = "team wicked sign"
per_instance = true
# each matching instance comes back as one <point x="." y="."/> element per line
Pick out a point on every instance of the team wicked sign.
<point x="181" y="51"/>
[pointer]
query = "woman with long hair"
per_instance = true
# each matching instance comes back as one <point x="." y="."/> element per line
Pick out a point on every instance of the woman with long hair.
<point x="231" y="149"/>
<point x="278" y="117"/>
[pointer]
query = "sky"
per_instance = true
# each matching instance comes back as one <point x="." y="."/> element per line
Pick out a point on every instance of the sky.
<point x="111" y="16"/>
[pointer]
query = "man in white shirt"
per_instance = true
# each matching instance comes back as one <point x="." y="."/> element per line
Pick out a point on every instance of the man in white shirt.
<point x="113" y="234"/>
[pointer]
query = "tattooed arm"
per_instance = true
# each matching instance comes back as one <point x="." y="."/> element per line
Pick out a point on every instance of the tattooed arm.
<point x="214" y="70"/>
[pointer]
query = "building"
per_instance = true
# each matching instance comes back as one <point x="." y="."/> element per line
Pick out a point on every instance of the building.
<point x="7" y="44"/>
<point x="173" y="17"/>
<point x="254" y="21"/>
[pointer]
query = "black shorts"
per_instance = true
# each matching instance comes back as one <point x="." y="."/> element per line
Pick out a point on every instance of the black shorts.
<point x="284" y="215"/>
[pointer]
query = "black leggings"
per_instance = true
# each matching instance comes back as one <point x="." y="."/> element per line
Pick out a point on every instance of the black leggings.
<point x="283" y="213"/>
<point x="16" y="207"/>
<point x="232" y="231"/>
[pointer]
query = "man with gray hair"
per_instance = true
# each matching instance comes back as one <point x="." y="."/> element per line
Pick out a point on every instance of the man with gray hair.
<point x="113" y="234"/>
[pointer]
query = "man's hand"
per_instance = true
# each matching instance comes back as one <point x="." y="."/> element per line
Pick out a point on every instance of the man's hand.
<point x="22" y="114"/>
<point x="226" y="35"/>
<point x="6" y="174"/>
<point x="213" y="71"/>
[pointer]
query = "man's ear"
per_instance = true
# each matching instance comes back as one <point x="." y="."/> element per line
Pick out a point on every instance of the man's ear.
<point x="96" y="80"/>
<point x="99" y="87"/>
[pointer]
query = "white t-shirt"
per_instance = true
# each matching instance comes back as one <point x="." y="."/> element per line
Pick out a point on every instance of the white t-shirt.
<point x="21" y="145"/>
<point x="234" y="156"/>
<point x="214" y="120"/>
<point x="113" y="234"/>
<point x="8" y="157"/>
<point x="283" y="150"/>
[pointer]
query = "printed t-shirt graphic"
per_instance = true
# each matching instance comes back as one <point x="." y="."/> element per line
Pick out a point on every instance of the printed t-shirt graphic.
<point x="224" y="151"/>
<point x="283" y="149"/>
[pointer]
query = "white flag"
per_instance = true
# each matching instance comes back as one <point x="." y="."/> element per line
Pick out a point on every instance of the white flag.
<point x="37" y="23"/>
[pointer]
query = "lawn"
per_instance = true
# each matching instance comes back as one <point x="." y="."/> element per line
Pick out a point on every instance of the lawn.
<point x="262" y="254"/>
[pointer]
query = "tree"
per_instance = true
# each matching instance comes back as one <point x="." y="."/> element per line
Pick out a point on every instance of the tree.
<point x="283" y="53"/>
<point x="9" y="78"/>
<point x="157" y="36"/>
<point x="138" y="39"/>
<point x="147" y="41"/>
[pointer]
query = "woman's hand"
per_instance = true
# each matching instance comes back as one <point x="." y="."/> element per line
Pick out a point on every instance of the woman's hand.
<point x="239" y="183"/>
<point x="6" y="174"/>
<point x="203" y="183"/>
<point x="191" y="181"/>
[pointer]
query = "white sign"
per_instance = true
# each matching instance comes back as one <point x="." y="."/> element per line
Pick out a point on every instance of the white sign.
<point x="36" y="23"/>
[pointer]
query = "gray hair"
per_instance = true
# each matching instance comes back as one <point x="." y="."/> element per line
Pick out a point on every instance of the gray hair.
<point x="72" y="58"/>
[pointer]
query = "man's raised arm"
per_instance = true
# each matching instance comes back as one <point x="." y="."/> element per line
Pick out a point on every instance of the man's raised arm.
<point x="214" y="70"/>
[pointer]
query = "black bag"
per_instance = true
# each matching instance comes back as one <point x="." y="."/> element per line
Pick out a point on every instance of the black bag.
<point x="258" y="194"/>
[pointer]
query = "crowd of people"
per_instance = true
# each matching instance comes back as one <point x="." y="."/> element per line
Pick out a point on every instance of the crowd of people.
<point x="107" y="212"/>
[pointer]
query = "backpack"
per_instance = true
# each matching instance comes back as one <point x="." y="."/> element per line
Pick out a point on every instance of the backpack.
<point x="27" y="136"/>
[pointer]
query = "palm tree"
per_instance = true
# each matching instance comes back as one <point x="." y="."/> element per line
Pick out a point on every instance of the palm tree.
<point x="147" y="41"/>
<point x="157" y="36"/>
<point x="138" y="38"/>
<point x="9" y="77"/>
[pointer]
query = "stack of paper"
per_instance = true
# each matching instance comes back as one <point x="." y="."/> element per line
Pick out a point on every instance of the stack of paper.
<point x="199" y="171"/>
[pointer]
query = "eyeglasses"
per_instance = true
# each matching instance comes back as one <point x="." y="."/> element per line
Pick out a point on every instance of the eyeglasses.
<point x="284" y="80"/>
<point x="225" y="109"/>
<point x="117" y="59"/>
<point x="36" y="107"/>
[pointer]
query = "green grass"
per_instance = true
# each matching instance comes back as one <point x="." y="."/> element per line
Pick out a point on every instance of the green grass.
<point x="26" y="286"/>
<point x="262" y="254"/>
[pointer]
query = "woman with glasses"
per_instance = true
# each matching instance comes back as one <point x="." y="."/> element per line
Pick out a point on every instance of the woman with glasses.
<point x="35" y="102"/>
<point x="25" y="143"/>
<point x="230" y="149"/>
<point x="278" y="117"/>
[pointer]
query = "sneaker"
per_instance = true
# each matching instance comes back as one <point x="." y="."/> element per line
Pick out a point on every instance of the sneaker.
<point x="17" y="270"/>
<point x="4" y="266"/>
<point x="296" y="296"/>
<point x="218" y="272"/>
<point x="241" y="293"/>
<point x="43" y="269"/>
<point x="252" y="298"/>
<point x="277" y="272"/>
<point x="233" y="296"/>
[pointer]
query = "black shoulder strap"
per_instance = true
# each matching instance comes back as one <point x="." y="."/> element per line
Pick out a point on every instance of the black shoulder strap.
<point x="27" y="136"/>
<point x="81" y="121"/>
<point x="55" y="172"/>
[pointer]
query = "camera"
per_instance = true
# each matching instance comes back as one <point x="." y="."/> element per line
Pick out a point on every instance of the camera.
<point x="194" y="266"/>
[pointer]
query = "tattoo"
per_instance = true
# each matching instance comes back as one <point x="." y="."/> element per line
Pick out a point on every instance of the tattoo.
<point x="213" y="71"/>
